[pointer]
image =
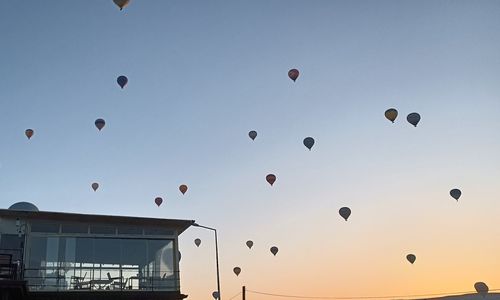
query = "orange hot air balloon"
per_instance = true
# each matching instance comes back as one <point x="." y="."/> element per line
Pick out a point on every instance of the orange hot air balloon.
<point x="158" y="201"/>
<point x="29" y="133"/>
<point x="95" y="186"/>
<point x="293" y="74"/>
<point x="121" y="3"/>
<point x="271" y="178"/>
<point x="183" y="188"/>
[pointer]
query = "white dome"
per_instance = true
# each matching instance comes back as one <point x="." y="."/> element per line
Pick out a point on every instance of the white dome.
<point x="26" y="206"/>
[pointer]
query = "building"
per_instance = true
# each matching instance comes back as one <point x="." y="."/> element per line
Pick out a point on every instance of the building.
<point x="51" y="255"/>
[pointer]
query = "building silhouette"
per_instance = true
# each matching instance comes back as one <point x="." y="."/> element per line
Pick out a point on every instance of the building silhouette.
<point x="52" y="255"/>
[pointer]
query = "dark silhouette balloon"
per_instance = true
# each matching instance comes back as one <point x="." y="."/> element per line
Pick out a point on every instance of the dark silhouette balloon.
<point x="99" y="123"/>
<point x="121" y="3"/>
<point x="293" y="74"/>
<point x="274" y="250"/>
<point x="252" y="134"/>
<point x="481" y="288"/>
<point x="197" y="242"/>
<point x="413" y="119"/>
<point x="411" y="258"/>
<point x="345" y="212"/>
<point x="249" y="244"/>
<point x="95" y="186"/>
<point x="122" y="81"/>
<point x="309" y="142"/>
<point x="158" y="201"/>
<point x="215" y="295"/>
<point x="455" y="193"/>
<point x="391" y="114"/>
<point x="183" y="188"/>
<point x="271" y="178"/>
<point x="179" y="254"/>
<point x="29" y="133"/>
<point x="237" y="270"/>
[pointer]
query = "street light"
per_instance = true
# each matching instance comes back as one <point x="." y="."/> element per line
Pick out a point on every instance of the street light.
<point x="216" y="254"/>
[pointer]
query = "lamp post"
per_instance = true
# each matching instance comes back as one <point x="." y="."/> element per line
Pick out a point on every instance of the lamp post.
<point x="216" y="254"/>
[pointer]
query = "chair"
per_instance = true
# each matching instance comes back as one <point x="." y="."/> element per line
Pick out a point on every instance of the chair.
<point x="119" y="284"/>
<point x="78" y="282"/>
<point x="6" y="266"/>
<point x="101" y="283"/>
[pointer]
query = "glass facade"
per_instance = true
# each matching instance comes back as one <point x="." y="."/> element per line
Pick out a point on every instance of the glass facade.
<point x="86" y="262"/>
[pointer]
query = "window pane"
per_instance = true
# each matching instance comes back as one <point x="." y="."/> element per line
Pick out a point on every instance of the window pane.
<point x="103" y="229"/>
<point x="37" y="250"/>
<point x="44" y="227"/>
<point x="160" y="255"/>
<point x="84" y="252"/>
<point x="52" y="250"/>
<point x="130" y="230"/>
<point x="133" y="252"/>
<point x="106" y="251"/>
<point x="74" y="228"/>
<point x="158" y="231"/>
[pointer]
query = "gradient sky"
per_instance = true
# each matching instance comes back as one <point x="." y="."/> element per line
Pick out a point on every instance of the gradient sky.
<point x="204" y="73"/>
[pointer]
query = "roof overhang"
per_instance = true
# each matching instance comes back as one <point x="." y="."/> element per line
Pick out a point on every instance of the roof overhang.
<point x="178" y="225"/>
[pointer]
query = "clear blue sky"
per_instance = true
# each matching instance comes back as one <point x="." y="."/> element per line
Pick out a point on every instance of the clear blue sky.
<point x="204" y="73"/>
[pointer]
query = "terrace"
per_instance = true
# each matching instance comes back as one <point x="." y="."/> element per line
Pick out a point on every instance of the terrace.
<point x="71" y="254"/>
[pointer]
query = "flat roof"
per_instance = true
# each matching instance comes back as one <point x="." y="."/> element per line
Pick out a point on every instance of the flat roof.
<point x="179" y="225"/>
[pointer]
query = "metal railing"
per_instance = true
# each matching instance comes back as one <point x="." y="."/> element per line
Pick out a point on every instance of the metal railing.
<point x="99" y="279"/>
<point x="10" y="264"/>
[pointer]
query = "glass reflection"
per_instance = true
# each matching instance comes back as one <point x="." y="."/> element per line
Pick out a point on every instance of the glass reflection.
<point x="85" y="263"/>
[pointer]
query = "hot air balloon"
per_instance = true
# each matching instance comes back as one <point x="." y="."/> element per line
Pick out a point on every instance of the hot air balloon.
<point x="197" y="242"/>
<point x="249" y="244"/>
<point x="122" y="81"/>
<point x="237" y="270"/>
<point x="99" y="123"/>
<point x="252" y="134"/>
<point x="121" y="3"/>
<point x="455" y="193"/>
<point x="345" y="212"/>
<point x="183" y="188"/>
<point x="413" y="119"/>
<point x="215" y="295"/>
<point x="293" y="74"/>
<point x="158" y="201"/>
<point x="411" y="258"/>
<point x="29" y="133"/>
<point x="481" y="288"/>
<point x="271" y="178"/>
<point x="179" y="255"/>
<point x="95" y="186"/>
<point x="309" y="142"/>
<point x="391" y="114"/>
<point x="274" y="250"/>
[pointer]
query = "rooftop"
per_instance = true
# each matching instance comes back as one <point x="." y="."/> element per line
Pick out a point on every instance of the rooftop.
<point x="179" y="225"/>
